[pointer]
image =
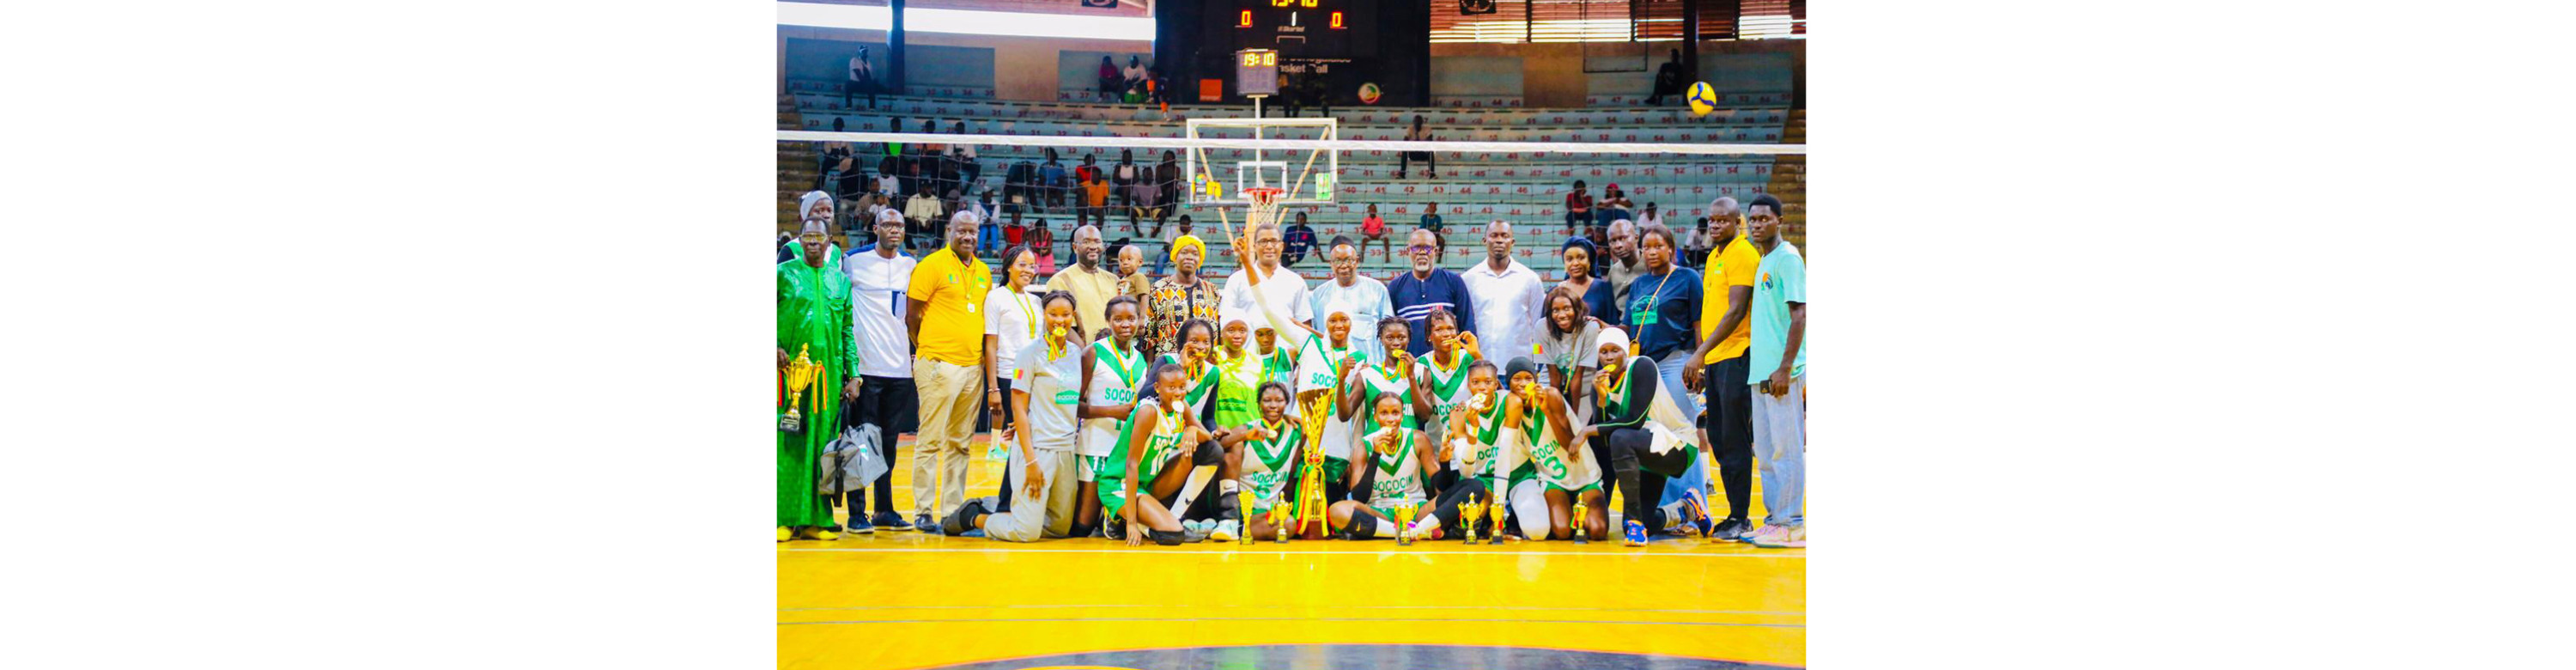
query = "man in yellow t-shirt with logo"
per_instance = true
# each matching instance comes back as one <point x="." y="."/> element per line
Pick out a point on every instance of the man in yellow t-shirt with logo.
<point x="945" y="293"/>
<point x="1726" y="287"/>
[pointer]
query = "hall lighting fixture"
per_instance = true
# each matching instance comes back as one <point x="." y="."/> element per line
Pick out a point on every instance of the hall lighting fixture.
<point x="967" y="22"/>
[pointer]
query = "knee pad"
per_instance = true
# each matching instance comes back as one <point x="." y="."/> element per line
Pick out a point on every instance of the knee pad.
<point x="1626" y="443"/>
<point x="1209" y="453"/>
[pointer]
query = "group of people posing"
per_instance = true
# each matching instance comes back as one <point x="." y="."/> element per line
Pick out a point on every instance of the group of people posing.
<point x="1146" y="412"/>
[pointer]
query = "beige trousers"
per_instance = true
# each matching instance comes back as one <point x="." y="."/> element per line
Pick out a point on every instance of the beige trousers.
<point x="950" y="397"/>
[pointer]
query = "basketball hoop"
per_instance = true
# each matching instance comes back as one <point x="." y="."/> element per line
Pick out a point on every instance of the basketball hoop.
<point x="1265" y="204"/>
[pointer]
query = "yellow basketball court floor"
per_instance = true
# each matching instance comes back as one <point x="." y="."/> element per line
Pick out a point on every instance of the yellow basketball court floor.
<point x="920" y="600"/>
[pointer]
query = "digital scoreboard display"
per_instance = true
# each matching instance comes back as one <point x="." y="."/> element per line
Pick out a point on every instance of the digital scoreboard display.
<point x="1256" y="72"/>
<point x="1304" y="28"/>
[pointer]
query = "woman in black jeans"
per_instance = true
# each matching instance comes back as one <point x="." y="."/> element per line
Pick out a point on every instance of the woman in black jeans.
<point x="1635" y="428"/>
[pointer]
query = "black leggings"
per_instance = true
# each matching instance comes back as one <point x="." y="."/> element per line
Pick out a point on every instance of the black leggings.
<point x="1446" y="508"/>
<point x="1630" y="453"/>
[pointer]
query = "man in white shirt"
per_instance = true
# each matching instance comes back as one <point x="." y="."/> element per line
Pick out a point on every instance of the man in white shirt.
<point x="862" y="80"/>
<point x="1363" y="297"/>
<point x="1510" y="297"/>
<point x="879" y="274"/>
<point x="1283" y="288"/>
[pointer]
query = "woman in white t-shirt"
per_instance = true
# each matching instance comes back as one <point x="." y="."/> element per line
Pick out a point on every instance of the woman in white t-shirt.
<point x="1010" y="322"/>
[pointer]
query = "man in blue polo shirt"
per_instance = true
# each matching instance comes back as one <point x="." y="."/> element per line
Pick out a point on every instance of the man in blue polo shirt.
<point x="1778" y="375"/>
<point x="1429" y="286"/>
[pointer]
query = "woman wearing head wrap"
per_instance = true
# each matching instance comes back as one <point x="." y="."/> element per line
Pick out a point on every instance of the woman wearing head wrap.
<point x="1599" y="298"/>
<point x="1179" y="298"/>
<point x="1637" y="428"/>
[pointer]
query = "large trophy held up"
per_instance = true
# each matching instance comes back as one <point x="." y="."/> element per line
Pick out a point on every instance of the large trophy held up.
<point x="801" y="375"/>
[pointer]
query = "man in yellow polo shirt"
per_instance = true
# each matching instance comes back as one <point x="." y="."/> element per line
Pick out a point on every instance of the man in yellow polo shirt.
<point x="947" y="365"/>
<point x="1726" y="287"/>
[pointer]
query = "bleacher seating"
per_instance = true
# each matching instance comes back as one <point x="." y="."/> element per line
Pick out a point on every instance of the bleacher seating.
<point x="1474" y="187"/>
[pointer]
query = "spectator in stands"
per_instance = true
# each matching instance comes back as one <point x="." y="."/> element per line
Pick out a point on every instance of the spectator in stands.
<point x="1135" y="73"/>
<point x="1578" y="210"/>
<point x="1696" y="243"/>
<point x="1053" y="182"/>
<point x="889" y="168"/>
<point x="1405" y="162"/>
<point x="1373" y="228"/>
<point x="1621" y="268"/>
<point x="1668" y="79"/>
<point x="1147" y="196"/>
<point x="1360" y="296"/>
<point x="1649" y="217"/>
<point x="1019" y="186"/>
<point x="1110" y="83"/>
<point x="1299" y="238"/>
<point x="863" y="80"/>
<point x="968" y="171"/>
<point x="1614" y="206"/>
<point x="1178" y="298"/>
<point x="1122" y="180"/>
<point x="1431" y="218"/>
<point x="1132" y="281"/>
<point x="1509" y="295"/>
<point x="880" y="274"/>
<point x="1043" y="243"/>
<point x="1428" y="286"/>
<point x="1095" y="199"/>
<point x="988" y="233"/>
<point x="925" y="213"/>
<point x="932" y="156"/>
<point x="1167" y="179"/>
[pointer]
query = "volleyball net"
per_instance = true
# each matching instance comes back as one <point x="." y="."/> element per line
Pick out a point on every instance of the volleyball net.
<point x="1222" y="173"/>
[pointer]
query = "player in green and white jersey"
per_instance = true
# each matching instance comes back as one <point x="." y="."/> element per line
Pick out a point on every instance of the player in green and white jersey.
<point x="1391" y="474"/>
<point x="1638" y="429"/>
<point x="1564" y="466"/>
<point x="1113" y="374"/>
<point x="1444" y="373"/>
<point x="1392" y="375"/>
<point x="1269" y="458"/>
<point x="1159" y="447"/>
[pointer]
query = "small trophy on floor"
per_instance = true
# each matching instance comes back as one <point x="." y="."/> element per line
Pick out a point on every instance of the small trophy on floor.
<point x="1279" y="523"/>
<point x="1468" y="513"/>
<point x="1404" y="523"/>
<point x="1578" y="522"/>
<point x="1243" y="496"/>
<point x="1497" y="513"/>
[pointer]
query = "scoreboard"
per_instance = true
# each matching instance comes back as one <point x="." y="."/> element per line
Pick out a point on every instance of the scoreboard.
<point x="1304" y="28"/>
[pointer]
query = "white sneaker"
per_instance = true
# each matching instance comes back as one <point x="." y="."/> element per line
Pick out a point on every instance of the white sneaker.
<point x="1224" y="532"/>
<point x="1781" y="537"/>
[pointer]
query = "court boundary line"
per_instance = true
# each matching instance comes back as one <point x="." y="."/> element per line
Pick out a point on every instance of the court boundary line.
<point x="1138" y="551"/>
<point x="1375" y="644"/>
<point x="1523" y="608"/>
<point x="1337" y="619"/>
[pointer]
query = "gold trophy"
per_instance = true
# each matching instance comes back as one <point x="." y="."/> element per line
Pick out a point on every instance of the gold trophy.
<point x="1578" y="519"/>
<point x="1496" y="513"/>
<point x="801" y="375"/>
<point x="1243" y="495"/>
<point x="1278" y="521"/>
<point x="1468" y="513"/>
<point x="1404" y="523"/>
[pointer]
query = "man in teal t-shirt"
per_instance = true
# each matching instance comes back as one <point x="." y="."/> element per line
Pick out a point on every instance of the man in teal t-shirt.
<point x="1778" y="373"/>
